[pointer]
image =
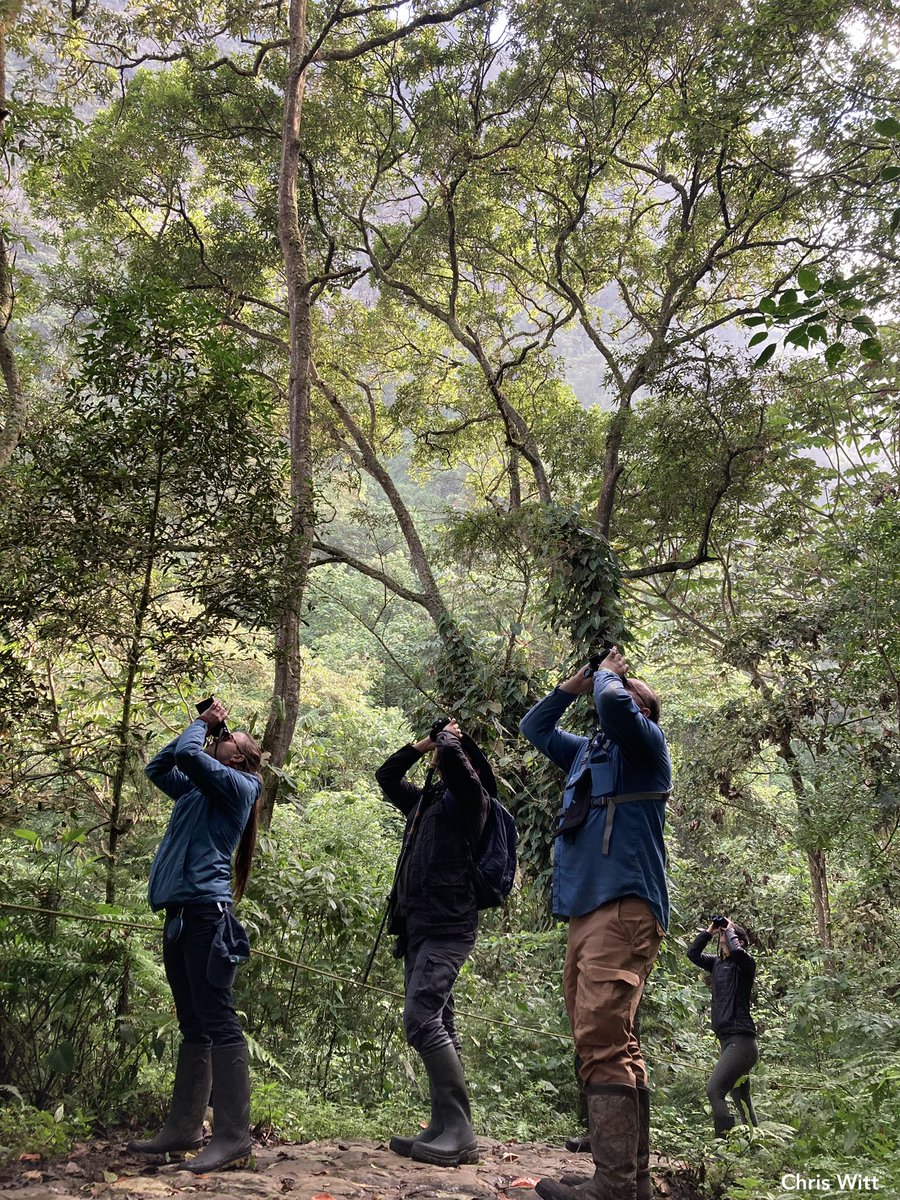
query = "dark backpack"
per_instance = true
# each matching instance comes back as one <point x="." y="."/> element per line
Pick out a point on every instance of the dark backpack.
<point x="495" y="865"/>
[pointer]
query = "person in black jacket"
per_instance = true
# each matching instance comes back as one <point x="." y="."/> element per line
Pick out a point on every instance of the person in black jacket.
<point x="434" y="914"/>
<point x="731" y="973"/>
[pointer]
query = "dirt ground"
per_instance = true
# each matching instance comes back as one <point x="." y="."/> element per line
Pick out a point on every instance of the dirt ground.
<point x="352" y="1170"/>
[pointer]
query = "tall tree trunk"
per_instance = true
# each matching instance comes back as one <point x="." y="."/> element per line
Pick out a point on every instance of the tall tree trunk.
<point x="821" y="900"/>
<point x="286" y="690"/>
<point x="132" y="663"/>
<point x="816" y="856"/>
<point x="13" y="407"/>
<point x="432" y="600"/>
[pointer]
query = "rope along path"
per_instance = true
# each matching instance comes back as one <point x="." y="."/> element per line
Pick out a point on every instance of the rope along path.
<point x="290" y="962"/>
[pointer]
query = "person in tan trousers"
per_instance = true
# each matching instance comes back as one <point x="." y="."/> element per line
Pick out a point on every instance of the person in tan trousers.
<point x="610" y="883"/>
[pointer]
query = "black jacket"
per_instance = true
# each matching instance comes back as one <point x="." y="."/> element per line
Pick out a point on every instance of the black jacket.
<point x="731" y="982"/>
<point x="434" y="894"/>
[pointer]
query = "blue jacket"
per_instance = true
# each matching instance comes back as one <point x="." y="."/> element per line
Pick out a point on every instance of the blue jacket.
<point x="628" y="755"/>
<point x="212" y="804"/>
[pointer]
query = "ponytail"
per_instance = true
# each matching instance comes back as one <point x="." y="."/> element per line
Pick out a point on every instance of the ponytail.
<point x="243" y="859"/>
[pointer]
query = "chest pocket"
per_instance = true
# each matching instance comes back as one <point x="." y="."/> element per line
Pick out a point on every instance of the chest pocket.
<point x="591" y="776"/>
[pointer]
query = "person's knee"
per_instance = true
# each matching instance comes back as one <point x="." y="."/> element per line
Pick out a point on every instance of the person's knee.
<point x="715" y="1090"/>
<point x="221" y="1028"/>
<point x="418" y="1025"/>
<point x="425" y="1036"/>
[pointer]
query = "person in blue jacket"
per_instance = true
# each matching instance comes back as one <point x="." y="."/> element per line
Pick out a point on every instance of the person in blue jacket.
<point x="215" y="784"/>
<point x="609" y="882"/>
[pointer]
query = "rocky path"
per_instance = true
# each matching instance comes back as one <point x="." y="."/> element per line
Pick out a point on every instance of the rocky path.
<point x="312" y="1171"/>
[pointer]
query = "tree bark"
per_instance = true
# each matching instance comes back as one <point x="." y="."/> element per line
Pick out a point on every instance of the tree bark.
<point x="821" y="899"/>
<point x="286" y="688"/>
<point x="133" y="664"/>
<point x="816" y="856"/>
<point x="14" y="408"/>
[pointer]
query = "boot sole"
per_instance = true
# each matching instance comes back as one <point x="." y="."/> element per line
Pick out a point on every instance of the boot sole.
<point x="132" y="1148"/>
<point x="445" y="1160"/>
<point x="554" y="1189"/>
<point x="237" y="1160"/>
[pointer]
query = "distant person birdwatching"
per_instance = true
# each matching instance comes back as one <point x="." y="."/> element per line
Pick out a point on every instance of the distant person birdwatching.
<point x="213" y="776"/>
<point x="434" y="915"/>
<point x="731" y="975"/>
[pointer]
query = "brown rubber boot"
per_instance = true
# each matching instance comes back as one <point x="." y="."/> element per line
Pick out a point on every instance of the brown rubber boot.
<point x="644" y="1182"/>
<point x="613" y="1117"/>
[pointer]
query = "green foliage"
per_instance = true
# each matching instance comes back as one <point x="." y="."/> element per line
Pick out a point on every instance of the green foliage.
<point x="28" y="1130"/>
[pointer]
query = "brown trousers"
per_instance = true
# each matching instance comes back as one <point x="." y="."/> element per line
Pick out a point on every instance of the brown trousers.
<point x="611" y="952"/>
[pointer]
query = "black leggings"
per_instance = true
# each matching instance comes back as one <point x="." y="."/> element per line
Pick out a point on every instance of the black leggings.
<point x="739" y="1054"/>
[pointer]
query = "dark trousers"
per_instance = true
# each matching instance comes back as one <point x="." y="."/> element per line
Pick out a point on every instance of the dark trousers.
<point x="740" y="1052"/>
<point x="430" y="970"/>
<point x="206" y="1014"/>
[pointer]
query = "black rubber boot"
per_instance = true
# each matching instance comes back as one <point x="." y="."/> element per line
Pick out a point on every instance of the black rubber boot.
<point x="642" y="1176"/>
<point x="578" y="1145"/>
<point x="403" y="1146"/>
<point x="613" y="1116"/>
<point x="456" y="1143"/>
<point x="183" y="1128"/>
<point x="231" y="1111"/>
<point x="581" y="1144"/>
<point x="723" y="1124"/>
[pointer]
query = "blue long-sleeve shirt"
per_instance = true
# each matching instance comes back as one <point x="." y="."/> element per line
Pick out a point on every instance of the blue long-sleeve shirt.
<point x="629" y="754"/>
<point x="212" y="805"/>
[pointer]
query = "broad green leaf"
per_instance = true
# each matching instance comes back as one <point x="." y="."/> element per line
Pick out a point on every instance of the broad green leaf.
<point x="28" y="835"/>
<point x="61" y="1058"/>
<point x="798" y="337"/>
<point x="864" y="325"/>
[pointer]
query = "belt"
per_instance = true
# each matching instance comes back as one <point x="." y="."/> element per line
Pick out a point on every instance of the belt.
<point x="612" y="803"/>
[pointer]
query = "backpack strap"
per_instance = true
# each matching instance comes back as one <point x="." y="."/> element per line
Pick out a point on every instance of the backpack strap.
<point x="612" y="803"/>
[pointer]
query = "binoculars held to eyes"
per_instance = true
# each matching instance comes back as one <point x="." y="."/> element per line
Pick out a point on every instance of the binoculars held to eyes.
<point x="215" y="731"/>
<point x="719" y="922"/>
